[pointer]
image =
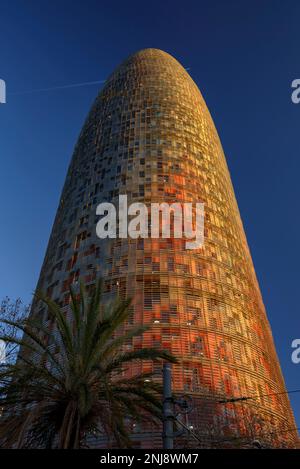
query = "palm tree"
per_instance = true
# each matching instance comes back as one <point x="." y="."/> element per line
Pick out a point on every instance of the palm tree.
<point x="69" y="382"/>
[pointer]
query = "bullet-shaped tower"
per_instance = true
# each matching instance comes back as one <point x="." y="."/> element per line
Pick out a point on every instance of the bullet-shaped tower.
<point x="149" y="135"/>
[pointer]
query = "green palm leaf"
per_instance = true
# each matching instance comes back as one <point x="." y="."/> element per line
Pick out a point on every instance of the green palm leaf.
<point x="70" y="382"/>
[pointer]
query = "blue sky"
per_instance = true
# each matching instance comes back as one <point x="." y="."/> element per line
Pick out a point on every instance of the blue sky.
<point x="242" y="54"/>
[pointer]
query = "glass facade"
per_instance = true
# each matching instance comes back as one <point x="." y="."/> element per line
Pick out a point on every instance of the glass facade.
<point x="149" y="135"/>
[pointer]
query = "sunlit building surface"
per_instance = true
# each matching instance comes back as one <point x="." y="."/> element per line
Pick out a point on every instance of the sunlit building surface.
<point x="149" y="135"/>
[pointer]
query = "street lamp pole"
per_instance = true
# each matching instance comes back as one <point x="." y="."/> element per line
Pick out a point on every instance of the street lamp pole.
<point x="168" y="412"/>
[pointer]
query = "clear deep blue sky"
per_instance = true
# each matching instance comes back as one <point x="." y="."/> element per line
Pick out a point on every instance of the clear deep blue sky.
<point x="242" y="54"/>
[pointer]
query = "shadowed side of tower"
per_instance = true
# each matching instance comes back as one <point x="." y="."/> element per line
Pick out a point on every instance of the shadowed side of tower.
<point x="149" y="135"/>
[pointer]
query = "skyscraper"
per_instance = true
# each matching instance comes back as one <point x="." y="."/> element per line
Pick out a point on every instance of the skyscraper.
<point x="149" y="135"/>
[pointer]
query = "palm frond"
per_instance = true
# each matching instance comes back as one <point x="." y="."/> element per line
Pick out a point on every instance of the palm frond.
<point x="74" y="382"/>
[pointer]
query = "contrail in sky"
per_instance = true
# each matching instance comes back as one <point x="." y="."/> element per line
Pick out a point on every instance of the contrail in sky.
<point x="64" y="87"/>
<point x="74" y="85"/>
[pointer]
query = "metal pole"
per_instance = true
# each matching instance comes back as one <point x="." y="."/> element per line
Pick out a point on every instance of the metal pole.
<point x="168" y="414"/>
